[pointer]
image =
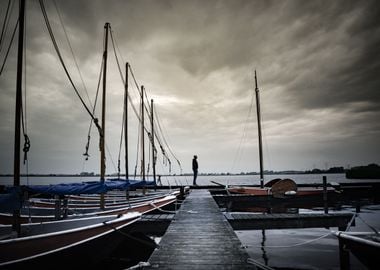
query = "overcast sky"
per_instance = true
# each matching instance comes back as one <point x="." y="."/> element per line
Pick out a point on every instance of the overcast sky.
<point x="318" y="74"/>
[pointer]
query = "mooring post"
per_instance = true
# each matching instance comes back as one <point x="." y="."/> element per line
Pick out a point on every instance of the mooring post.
<point x="65" y="207"/>
<point x="344" y="256"/>
<point x="182" y="192"/>
<point x="57" y="212"/>
<point x="357" y="207"/>
<point x="326" y="206"/>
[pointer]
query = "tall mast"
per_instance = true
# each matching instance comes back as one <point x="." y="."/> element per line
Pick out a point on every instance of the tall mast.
<point x="259" y="131"/>
<point x="18" y="108"/>
<point x="153" y="148"/>
<point x="142" y="135"/>
<point x="126" y="121"/>
<point x="102" y="137"/>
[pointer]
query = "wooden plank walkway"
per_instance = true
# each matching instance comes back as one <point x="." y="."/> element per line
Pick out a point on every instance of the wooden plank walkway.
<point x="199" y="238"/>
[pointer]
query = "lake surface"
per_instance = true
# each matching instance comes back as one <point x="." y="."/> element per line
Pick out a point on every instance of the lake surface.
<point x="201" y="180"/>
<point x="310" y="248"/>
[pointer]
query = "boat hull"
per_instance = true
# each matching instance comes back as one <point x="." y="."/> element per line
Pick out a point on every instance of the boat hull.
<point x="143" y="208"/>
<point x="92" y="242"/>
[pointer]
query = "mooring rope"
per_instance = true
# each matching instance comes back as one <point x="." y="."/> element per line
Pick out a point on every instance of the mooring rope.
<point x="371" y="227"/>
<point x="259" y="264"/>
<point x="296" y="245"/>
<point x="162" y="210"/>
<point x="131" y="236"/>
<point x="351" y="221"/>
<point x="139" y="265"/>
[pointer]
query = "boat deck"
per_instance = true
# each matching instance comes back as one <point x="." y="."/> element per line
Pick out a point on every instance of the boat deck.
<point x="199" y="238"/>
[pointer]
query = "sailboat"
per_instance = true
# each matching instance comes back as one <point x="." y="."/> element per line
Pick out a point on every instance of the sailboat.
<point x="42" y="243"/>
<point x="122" y="207"/>
<point x="277" y="187"/>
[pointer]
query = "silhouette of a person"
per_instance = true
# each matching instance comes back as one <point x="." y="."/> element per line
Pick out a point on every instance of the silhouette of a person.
<point x="195" y="170"/>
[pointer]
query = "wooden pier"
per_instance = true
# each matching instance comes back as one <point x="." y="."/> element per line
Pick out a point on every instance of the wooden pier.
<point x="199" y="237"/>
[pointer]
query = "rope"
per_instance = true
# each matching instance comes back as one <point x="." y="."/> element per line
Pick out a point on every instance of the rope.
<point x="162" y="210"/>
<point x="93" y="111"/>
<point x="121" y="143"/>
<point x="351" y="221"/>
<point x="165" y="141"/>
<point x="72" y="51"/>
<point x="298" y="244"/>
<point x="5" y="24"/>
<point x="371" y="227"/>
<point x="259" y="264"/>
<point x="138" y="115"/>
<point x="239" y="151"/>
<point x="9" y="47"/>
<point x="64" y="66"/>
<point x="130" y="236"/>
<point x="139" y="265"/>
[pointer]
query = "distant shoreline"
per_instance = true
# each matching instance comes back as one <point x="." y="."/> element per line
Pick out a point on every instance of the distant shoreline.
<point x="185" y="174"/>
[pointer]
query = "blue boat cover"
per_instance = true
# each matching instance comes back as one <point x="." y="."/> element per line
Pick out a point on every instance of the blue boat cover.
<point x="89" y="187"/>
<point x="69" y="189"/>
<point x="11" y="200"/>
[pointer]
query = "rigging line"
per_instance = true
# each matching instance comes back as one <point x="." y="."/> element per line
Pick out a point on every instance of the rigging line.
<point x="93" y="110"/>
<point x="268" y="156"/>
<point x="64" y="66"/>
<point x="371" y="227"/>
<point x="121" y="142"/>
<point x="5" y="25"/>
<point x="162" y="133"/>
<point x="137" y="152"/>
<point x="137" y="85"/>
<point x="301" y="243"/>
<point x="123" y="80"/>
<point x="165" y="141"/>
<point x="239" y="149"/>
<point x="109" y="154"/>
<point x="114" y="45"/>
<point x="72" y="52"/>
<point x="148" y="165"/>
<point x="9" y="47"/>
<point x="24" y="112"/>
<point x="116" y="49"/>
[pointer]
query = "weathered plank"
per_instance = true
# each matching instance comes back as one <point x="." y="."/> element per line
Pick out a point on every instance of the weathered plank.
<point x="199" y="238"/>
<point x="249" y="221"/>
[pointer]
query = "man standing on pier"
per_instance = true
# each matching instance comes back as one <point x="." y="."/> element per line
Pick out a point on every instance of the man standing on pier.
<point x="195" y="170"/>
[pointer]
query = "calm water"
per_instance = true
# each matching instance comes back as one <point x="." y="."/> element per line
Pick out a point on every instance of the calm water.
<point x="201" y="180"/>
<point x="312" y="248"/>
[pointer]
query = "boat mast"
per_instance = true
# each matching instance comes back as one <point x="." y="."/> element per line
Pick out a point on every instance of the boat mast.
<point x="102" y="137"/>
<point x="126" y="121"/>
<point x="259" y="131"/>
<point x="142" y="135"/>
<point x="153" y="148"/>
<point x="18" y="108"/>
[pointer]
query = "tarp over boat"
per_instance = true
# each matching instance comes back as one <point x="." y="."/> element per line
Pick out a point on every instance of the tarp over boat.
<point x="91" y="187"/>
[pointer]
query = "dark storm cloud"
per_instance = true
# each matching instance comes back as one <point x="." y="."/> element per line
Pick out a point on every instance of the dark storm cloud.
<point x="317" y="64"/>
